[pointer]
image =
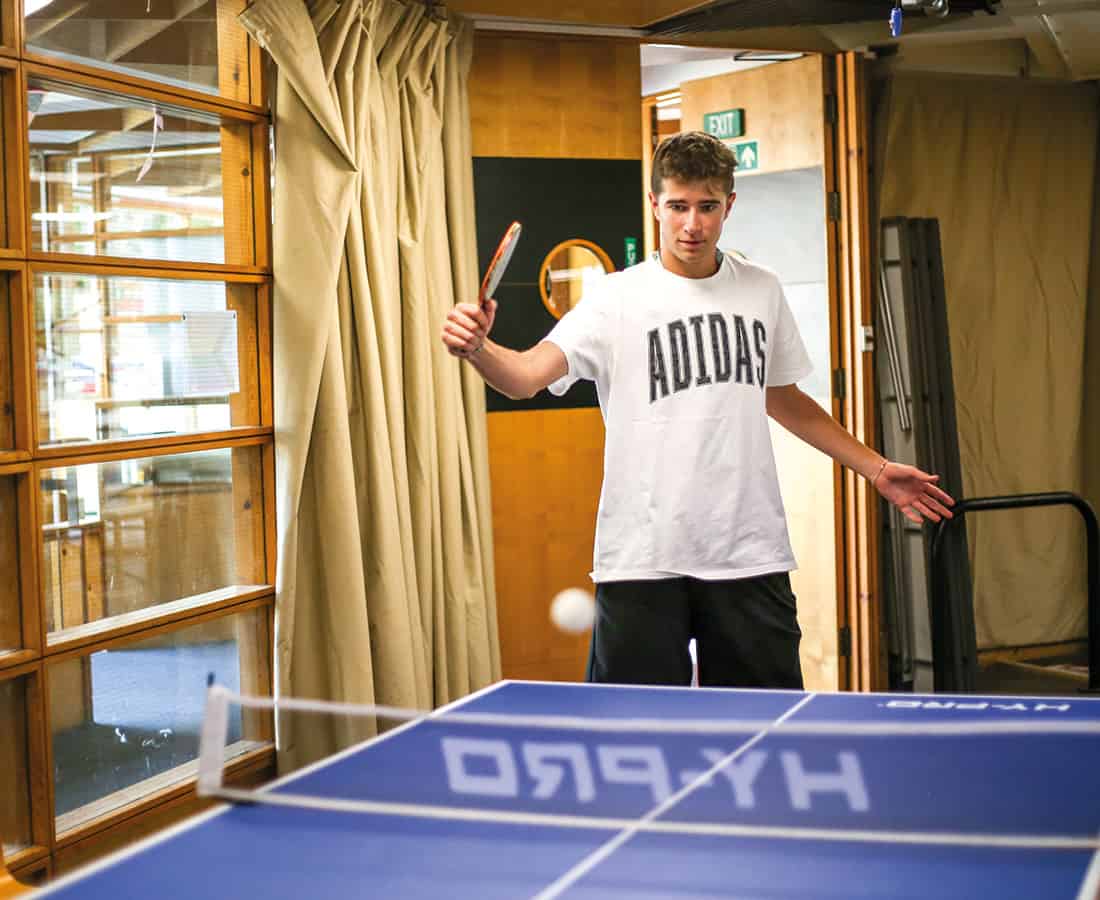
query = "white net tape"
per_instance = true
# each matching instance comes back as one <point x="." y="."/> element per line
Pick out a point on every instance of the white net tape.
<point x="673" y="726"/>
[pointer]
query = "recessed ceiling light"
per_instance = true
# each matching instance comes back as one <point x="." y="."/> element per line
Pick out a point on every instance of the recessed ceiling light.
<point x="765" y="56"/>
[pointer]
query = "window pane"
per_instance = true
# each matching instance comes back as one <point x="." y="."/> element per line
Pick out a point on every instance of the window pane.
<point x="7" y="396"/>
<point x="193" y="44"/>
<point x="125" y="722"/>
<point x="122" y="357"/>
<point x="123" y="537"/>
<point x="11" y="621"/>
<point x="113" y="175"/>
<point x="15" y="804"/>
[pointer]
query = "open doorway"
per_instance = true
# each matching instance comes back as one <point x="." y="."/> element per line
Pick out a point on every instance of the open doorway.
<point x="771" y="110"/>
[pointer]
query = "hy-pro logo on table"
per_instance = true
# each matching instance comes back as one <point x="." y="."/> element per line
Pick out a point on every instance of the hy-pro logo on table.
<point x="976" y="705"/>
<point x="491" y="768"/>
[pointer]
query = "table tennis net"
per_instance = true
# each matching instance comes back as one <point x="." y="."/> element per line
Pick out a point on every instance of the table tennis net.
<point x="702" y="777"/>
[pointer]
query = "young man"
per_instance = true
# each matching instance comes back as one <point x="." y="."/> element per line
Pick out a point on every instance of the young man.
<point x="691" y="351"/>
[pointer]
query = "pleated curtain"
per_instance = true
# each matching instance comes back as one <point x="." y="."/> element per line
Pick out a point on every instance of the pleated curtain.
<point x="1007" y="166"/>
<point x="385" y="573"/>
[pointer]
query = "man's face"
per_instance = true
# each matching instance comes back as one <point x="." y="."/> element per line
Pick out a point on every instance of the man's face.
<point x="691" y="215"/>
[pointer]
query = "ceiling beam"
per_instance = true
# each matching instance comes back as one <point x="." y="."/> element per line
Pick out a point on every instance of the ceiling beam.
<point x="802" y="39"/>
<point x="116" y="119"/>
<point x="125" y="24"/>
<point x="119" y="164"/>
<point x="129" y="34"/>
<point x="132" y="119"/>
<point x="978" y="28"/>
<point x="187" y="44"/>
<point x="52" y="16"/>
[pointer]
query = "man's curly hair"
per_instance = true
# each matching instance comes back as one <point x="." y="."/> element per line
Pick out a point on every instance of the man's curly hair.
<point x="693" y="156"/>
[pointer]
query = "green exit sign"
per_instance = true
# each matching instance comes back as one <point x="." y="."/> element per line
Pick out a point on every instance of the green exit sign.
<point x="729" y="123"/>
<point x="748" y="155"/>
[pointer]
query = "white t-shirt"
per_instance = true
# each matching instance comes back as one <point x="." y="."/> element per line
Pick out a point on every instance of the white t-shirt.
<point x="680" y="365"/>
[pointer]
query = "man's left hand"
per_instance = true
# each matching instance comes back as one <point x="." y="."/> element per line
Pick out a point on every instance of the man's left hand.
<point x="914" y="492"/>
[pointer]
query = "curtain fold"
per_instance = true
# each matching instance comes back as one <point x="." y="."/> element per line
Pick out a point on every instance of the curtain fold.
<point x="384" y="542"/>
<point x="469" y="394"/>
<point x="1007" y="166"/>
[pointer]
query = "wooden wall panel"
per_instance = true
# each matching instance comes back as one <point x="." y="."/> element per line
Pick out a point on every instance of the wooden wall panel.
<point x="807" y="480"/>
<point x="782" y="110"/>
<point x="541" y="96"/>
<point x="546" y="468"/>
<point x="568" y="667"/>
<point x="534" y="95"/>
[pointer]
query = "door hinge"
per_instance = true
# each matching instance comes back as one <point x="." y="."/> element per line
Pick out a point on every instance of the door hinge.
<point x="840" y="384"/>
<point x="834" y="206"/>
<point x="844" y="641"/>
<point x="831" y="115"/>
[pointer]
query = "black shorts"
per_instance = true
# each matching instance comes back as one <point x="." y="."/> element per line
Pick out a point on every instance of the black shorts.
<point x="746" y="632"/>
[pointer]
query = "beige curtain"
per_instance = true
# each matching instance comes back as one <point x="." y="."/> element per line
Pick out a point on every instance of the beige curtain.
<point x="384" y="587"/>
<point x="1008" y="167"/>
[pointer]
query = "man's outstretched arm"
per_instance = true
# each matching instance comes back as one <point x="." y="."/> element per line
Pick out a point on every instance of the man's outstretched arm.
<point x="914" y="492"/>
<point x="516" y="374"/>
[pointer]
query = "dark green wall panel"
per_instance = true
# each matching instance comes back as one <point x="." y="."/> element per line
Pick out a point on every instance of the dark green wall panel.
<point x="555" y="199"/>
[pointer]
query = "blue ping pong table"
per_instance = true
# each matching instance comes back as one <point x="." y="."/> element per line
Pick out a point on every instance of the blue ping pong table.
<point x="764" y="815"/>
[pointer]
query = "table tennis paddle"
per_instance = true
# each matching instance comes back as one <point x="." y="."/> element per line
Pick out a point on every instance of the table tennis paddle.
<point x="499" y="262"/>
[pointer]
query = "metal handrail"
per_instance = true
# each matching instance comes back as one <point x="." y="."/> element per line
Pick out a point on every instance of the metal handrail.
<point x="1092" y="545"/>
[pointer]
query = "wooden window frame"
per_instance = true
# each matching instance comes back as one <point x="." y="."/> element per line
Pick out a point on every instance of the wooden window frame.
<point x="15" y="272"/>
<point x="859" y="611"/>
<point x="251" y="54"/>
<point x="264" y="398"/>
<point x="11" y="157"/>
<point x="11" y="27"/>
<point x="183" y="610"/>
<point x="250" y="118"/>
<point x="15" y="463"/>
<point x="242" y="128"/>
<point x="30" y="608"/>
<point x="261" y="757"/>
<point x="38" y="762"/>
<point x="83" y="845"/>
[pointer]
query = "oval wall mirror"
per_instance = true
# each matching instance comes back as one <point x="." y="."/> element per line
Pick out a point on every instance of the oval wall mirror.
<point x="567" y="270"/>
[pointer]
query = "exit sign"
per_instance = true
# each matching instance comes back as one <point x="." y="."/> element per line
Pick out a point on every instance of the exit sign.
<point x="729" y="123"/>
<point x="748" y="156"/>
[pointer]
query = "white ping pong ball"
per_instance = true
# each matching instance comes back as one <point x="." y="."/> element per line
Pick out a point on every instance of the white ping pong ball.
<point x="573" y="610"/>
